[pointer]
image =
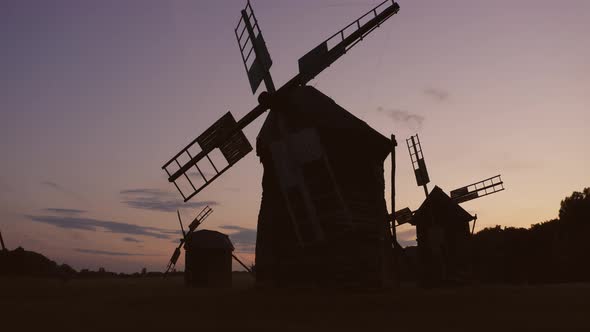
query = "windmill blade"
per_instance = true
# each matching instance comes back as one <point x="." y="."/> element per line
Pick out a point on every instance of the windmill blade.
<point x="174" y="257"/>
<point x="225" y="135"/>
<point x="253" y="50"/>
<point x="180" y="221"/>
<point x="478" y="189"/>
<point x="403" y="216"/>
<point x="321" y="57"/>
<point x="417" y="158"/>
<point x="200" y="218"/>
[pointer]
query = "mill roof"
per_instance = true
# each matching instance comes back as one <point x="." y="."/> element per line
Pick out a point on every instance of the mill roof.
<point x="440" y="206"/>
<point x="208" y="239"/>
<point x="308" y="107"/>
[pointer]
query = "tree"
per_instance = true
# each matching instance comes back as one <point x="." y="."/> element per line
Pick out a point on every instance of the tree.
<point x="575" y="209"/>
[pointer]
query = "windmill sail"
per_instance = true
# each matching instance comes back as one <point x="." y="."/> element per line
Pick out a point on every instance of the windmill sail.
<point x="420" y="171"/>
<point x="322" y="56"/>
<point x="403" y="216"/>
<point x="232" y="144"/>
<point x="478" y="189"/>
<point x="253" y="48"/>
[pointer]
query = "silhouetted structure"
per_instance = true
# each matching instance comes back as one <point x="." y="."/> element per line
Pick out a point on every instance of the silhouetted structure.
<point x="208" y="259"/>
<point x="442" y="230"/>
<point x="323" y="205"/>
<point x="323" y="216"/>
<point x="2" y="242"/>
<point x="191" y="228"/>
<point x="442" y="226"/>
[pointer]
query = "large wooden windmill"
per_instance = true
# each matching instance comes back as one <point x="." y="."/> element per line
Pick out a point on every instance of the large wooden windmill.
<point x="323" y="216"/>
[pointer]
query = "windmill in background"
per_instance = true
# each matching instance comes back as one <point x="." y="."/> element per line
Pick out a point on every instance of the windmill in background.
<point x="323" y="216"/>
<point x="208" y="254"/>
<point x="442" y="225"/>
<point x="460" y="195"/>
<point x="191" y="228"/>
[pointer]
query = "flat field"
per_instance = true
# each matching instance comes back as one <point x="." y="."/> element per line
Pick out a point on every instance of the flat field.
<point x="166" y="305"/>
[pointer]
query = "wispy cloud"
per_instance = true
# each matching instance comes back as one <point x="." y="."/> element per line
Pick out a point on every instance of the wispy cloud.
<point x="61" y="189"/>
<point x="68" y="212"/>
<point x="412" y="120"/>
<point x="51" y="184"/>
<point x="131" y="239"/>
<point x="437" y="94"/>
<point x="244" y="239"/>
<point x="109" y="253"/>
<point x="89" y="224"/>
<point x="158" y="200"/>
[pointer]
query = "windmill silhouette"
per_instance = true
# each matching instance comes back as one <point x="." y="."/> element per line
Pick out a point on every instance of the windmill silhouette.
<point x="323" y="215"/>
<point x="442" y="225"/>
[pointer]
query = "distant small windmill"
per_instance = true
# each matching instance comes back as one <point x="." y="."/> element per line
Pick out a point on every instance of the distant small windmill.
<point x="191" y="228"/>
<point x="463" y="194"/>
<point x="186" y="237"/>
<point x="442" y="226"/>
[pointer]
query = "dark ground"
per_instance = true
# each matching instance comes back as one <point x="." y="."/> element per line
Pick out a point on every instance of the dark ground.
<point x="138" y="304"/>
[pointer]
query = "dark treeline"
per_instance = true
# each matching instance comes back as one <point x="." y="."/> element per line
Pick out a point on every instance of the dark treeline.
<point x="549" y="252"/>
<point x="20" y="262"/>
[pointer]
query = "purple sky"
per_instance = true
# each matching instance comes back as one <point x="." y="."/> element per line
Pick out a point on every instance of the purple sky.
<point x="97" y="95"/>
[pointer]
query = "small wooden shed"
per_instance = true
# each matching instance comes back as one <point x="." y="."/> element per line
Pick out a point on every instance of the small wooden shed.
<point x="208" y="259"/>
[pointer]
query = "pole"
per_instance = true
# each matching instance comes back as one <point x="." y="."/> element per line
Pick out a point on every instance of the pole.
<point x="396" y="247"/>
<point x="243" y="265"/>
<point x="425" y="190"/>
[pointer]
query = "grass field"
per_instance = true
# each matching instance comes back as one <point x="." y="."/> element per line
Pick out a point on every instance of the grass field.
<point x="166" y="305"/>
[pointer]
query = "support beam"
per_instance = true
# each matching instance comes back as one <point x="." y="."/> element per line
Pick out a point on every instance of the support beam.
<point x="425" y="190"/>
<point x="243" y="265"/>
<point x="396" y="246"/>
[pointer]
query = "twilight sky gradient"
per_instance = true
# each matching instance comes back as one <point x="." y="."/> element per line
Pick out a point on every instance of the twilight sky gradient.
<point x="97" y="95"/>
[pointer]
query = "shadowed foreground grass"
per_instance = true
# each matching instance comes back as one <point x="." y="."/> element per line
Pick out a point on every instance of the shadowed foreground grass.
<point x="165" y="305"/>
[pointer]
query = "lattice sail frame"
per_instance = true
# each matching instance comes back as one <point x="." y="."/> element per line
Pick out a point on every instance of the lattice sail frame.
<point x="417" y="158"/>
<point x="253" y="50"/>
<point x="214" y="138"/>
<point x="478" y="189"/>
